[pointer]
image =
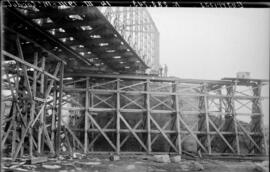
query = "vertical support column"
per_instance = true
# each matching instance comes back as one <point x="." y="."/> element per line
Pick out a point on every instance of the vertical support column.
<point x="54" y="114"/>
<point x="1" y="73"/>
<point x="91" y="124"/>
<point x="14" y="132"/>
<point x="220" y="105"/>
<point x="148" y="113"/>
<point x="32" y="111"/>
<point x="205" y="92"/>
<point x="202" y="118"/>
<point x="42" y="113"/>
<point x="118" y="116"/>
<point x="58" y="140"/>
<point x="177" y="121"/>
<point x="257" y="119"/>
<point x="234" y="117"/>
<point x="86" y="116"/>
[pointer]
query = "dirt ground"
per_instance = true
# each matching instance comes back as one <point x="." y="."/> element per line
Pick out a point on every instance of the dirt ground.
<point x="128" y="164"/>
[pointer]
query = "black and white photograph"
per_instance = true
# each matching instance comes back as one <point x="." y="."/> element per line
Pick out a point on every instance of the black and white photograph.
<point x="134" y="86"/>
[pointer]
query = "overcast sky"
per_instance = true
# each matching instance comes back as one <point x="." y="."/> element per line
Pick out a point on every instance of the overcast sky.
<point x="214" y="43"/>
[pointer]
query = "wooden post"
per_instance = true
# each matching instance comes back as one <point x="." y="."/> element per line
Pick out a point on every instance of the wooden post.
<point x="207" y="118"/>
<point x="14" y="133"/>
<point x="32" y="112"/>
<point x="58" y="139"/>
<point x="234" y="118"/>
<point x="1" y="102"/>
<point x="177" y="121"/>
<point x="86" y="116"/>
<point x="148" y="109"/>
<point x="91" y="124"/>
<point x="54" y="114"/>
<point x="258" y="123"/>
<point x="42" y="113"/>
<point x="118" y="117"/>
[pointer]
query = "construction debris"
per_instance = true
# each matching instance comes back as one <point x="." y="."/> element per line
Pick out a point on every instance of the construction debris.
<point x="114" y="158"/>
<point x="47" y="166"/>
<point x="78" y="155"/>
<point x="36" y="160"/>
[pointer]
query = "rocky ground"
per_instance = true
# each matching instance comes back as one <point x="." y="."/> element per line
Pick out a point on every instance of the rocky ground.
<point x="110" y="163"/>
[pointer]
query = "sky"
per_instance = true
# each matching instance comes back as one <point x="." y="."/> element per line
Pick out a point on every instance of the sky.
<point x="210" y="43"/>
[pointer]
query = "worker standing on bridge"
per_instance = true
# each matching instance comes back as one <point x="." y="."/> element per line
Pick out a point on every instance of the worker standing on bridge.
<point x="160" y="71"/>
<point x="165" y="70"/>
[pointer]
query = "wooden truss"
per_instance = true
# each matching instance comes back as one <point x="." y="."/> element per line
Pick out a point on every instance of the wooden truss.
<point x="125" y="114"/>
<point x="29" y="116"/>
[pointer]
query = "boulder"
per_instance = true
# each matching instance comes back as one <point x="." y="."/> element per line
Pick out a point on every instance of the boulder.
<point x="197" y="166"/>
<point x="191" y="166"/>
<point x="184" y="167"/>
<point x="130" y="167"/>
<point x="189" y="144"/>
<point x="162" y="158"/>
<point x="176" y="159"/>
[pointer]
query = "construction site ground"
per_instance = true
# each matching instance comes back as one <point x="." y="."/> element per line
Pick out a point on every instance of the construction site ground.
<point x="103" y="163"/>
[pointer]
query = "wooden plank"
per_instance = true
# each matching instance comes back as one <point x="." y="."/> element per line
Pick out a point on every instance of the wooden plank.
<point x="247" y="134"/>
<point x="163" y="127"/>
<point x="33" y="106"/>
<point x="234" y="117"/>
<point x="205" y="99"/>
<point x="103" y="101"/>
<point x="118" y="117"/>
<point x="101" y="131"/>
<point x="102" y="84"/>
<point x="40" y="129"/>
<point x="59" y="112"/>
<point x="192" y="133"/>
<point x="99" y="134"/>
<point x="129" y="135"/>
<point x="221" y="135"/>
<point x="72" y="134"/>
<point x="53" y="127"/>
<point x="177" y="121"/>
<point x="162" y="132"/>
<point x="161" y="102"/>
<point x="36" y="44"/>
<point x="19" y="48"/>
<point x="49" y="142"/>
<point x="132" y="131"/>
<point x="86" y="117"/>
<point x="28" y="64"/>
<point x="148" y="120"/>
<point x="37" y="160"/>
<point x="140" y="83"/>
<point x="132" y="102"/>
<point x="14" y="133"/>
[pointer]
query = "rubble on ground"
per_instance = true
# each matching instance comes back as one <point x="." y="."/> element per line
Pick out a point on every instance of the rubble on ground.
<point x="114" y="158"/>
